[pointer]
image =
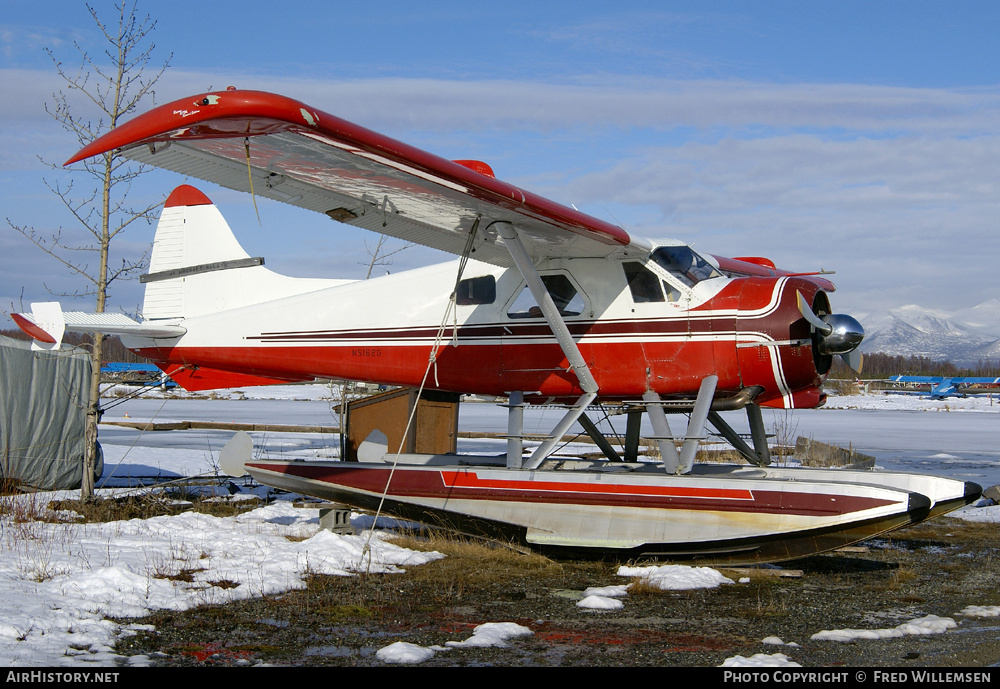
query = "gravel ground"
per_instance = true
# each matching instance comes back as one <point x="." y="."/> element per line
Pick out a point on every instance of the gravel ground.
<point x="933" y="569"/>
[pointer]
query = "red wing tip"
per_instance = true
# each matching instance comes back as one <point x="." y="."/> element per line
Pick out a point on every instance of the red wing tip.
<point x="87" y="151"/>
<point x="32" y="330"/>
<point x="186" y="195"/>
<point x="77" y="158"/>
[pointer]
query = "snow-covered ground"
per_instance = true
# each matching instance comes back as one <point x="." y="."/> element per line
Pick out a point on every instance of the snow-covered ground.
<point x="61" y="584"/>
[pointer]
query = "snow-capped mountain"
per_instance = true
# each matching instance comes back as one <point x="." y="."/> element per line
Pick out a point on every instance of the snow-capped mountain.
<point x="963" y="337"/>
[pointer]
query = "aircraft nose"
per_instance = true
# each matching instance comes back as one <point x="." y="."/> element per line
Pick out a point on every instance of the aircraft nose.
<point x="845" y="334"/>
<point x="835" y="333"/>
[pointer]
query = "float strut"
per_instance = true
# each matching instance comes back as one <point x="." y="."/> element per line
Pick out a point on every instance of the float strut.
<point x="598" y="437"/>
<point x="696" y="425"/>
<point x="549" y="444"/>
<point x="759" y="434"/>
<point x="759" y="454"/>
<point x="515" y="429"/>
<point x="661" y="429"/>
<point x="733" y="438"/>
<point x="560" y="330"/>
<point x="632" y="426"/>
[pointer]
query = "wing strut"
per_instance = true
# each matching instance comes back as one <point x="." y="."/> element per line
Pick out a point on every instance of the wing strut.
<point x="558" y="326"/>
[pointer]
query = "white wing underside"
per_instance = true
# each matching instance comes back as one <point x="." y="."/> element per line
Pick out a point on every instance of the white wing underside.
<point x="364" y="190"/>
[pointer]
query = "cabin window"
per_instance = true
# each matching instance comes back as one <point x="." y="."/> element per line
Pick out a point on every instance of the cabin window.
<point x="472" y="291"/>
<point x="567" y="298"/>
<point x="685" y="264"/>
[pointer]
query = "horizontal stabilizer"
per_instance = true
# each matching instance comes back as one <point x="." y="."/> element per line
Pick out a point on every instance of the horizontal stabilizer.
<point x="47" y="322"/>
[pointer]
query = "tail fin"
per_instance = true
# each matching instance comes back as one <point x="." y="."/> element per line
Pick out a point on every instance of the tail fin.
<point x="192" y="241"/>
<point x="198" y="267"/>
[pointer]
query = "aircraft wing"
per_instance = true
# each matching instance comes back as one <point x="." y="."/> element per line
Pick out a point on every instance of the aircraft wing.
<point x="957" y="380"/>
<point x="314" y="160"/>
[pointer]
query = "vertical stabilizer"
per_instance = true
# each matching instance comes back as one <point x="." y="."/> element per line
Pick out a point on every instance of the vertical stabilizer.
<point x="191" y="238"/>
<point x="198" y="267"/>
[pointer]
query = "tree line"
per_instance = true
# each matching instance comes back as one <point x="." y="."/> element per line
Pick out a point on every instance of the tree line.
<point x="880" y="365"/>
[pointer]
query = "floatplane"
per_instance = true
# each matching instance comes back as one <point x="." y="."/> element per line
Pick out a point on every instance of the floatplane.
<point x="545" y="305"/>
<point x="940" y="387"/>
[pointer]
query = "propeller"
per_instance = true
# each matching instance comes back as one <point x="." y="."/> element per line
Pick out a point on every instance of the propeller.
<point x="836" y="333"/>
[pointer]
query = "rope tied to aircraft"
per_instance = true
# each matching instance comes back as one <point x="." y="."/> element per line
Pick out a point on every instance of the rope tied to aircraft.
<point x="246" y="143"/>
<point x="450" y="311"/>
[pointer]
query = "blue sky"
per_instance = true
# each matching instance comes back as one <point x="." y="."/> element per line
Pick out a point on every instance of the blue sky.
<point x="861" y="137"/>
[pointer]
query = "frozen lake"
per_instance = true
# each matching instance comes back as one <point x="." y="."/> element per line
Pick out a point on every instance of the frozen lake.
<point x="957" y="437"/>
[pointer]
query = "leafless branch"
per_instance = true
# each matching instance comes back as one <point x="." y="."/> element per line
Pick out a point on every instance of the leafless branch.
<point x="115" y="84"/>
<point x="381" y="255"/>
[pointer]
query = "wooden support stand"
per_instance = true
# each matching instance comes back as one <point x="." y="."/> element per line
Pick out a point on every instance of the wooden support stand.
<point x="434" y="430"/>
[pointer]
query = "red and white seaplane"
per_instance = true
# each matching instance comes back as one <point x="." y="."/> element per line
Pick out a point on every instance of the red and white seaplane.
<point x="545" y="305"/>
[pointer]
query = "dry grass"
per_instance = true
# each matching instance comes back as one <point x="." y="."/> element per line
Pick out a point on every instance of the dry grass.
<point x="767" y="605"/>
<point x="474" y="563"/>
<point x="24" y="509"/>
<point x="116" y="509"/>
<point x="146" y="505"/>
<point x="719" y="457"/>
<point x="641" y="586"/>
<point x="902" y="576"/>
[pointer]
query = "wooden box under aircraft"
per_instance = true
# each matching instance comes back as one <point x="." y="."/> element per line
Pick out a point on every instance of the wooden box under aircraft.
<point x="434" y="429"/>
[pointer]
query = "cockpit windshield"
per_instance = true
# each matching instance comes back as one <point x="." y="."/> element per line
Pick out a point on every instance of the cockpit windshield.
<point x="685" y="264"/>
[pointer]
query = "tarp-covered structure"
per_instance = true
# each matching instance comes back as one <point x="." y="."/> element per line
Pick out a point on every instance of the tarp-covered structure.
<point x="43" y="402"/>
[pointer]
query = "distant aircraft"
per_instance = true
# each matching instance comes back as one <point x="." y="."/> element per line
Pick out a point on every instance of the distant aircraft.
<point x="546" y="304"/>
<point x="133" y="373"/>
<point x="939" y="387"/>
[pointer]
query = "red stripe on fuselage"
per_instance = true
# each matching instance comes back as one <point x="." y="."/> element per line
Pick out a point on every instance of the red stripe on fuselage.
<point x="674" y="368"/>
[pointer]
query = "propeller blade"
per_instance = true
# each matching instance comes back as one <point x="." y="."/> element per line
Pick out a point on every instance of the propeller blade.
<point x="854" y="359"/>
<point x="809" y="315"/>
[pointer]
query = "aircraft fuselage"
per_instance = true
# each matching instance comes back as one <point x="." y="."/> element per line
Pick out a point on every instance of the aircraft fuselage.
<point x="638" y="326"/>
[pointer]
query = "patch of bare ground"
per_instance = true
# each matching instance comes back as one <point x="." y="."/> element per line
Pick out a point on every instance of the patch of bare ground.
<point x="153" y="504"/>
<point x="934" y="569"/>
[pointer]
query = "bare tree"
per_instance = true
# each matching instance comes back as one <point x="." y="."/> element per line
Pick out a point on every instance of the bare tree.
<point x="112" y="86"/>
<point x="382" y="254"/>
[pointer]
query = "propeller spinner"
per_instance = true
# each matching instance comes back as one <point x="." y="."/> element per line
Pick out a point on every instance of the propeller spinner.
<point x="835" y="333"/>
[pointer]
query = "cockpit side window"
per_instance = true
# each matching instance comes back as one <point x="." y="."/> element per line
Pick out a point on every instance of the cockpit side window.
<point x="642" y="283"/>
<point x="685" y="264"/>
<point x="564" y="294"/>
